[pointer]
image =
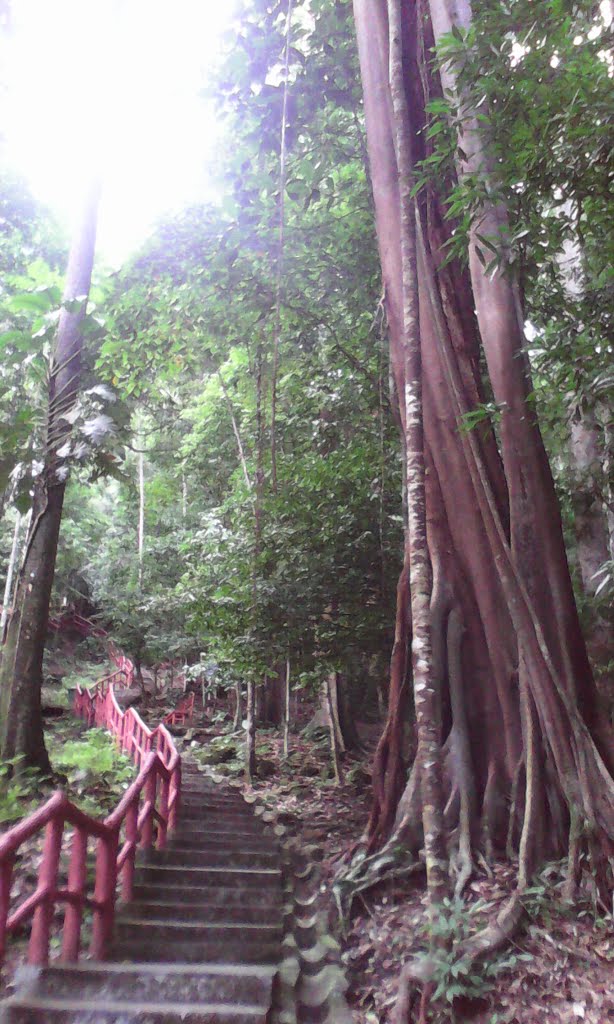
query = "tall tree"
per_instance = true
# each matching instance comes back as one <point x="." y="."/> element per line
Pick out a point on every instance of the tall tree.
<point x="21" y="730"/>
<point x="528" y="758"/>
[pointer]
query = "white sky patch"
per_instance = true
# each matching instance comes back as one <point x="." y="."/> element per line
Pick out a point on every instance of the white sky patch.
<point x="113" y="86"/>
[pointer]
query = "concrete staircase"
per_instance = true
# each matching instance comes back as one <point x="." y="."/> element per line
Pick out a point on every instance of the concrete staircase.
<point x="199" y="944"/>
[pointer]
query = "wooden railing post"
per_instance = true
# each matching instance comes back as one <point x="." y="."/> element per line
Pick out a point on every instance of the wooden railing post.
<point x="6" y="878"/>
<point x="104" y="893"/>
<point x="150" y="798"/>
<point x="163" y="811"/>
<point x="175" y="796"/>
<point x="77" y="880"/>
<point x="132" y="837"/>
<point x="38" y="952"/>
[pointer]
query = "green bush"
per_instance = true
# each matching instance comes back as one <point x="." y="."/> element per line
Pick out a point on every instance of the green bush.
<point x="19" y="790"/>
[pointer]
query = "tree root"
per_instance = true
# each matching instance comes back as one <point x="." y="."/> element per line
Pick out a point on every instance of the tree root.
<point x="370" y="871"/>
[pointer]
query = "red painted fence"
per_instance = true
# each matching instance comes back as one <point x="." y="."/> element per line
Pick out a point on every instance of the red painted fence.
<point x="143" y="816"/>
<point x="182" y="714"/>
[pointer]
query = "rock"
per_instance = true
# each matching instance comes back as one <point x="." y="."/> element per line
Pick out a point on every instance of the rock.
<point x="265" y="769"/>
<point x="219" y="753"/>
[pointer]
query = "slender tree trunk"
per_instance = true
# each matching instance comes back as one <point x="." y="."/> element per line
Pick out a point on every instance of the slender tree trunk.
<point x="250" y="733"/>
<point x="10" y="572"/>
<point x="347" y="721"/>
<point x="235" y="430"/>
<point x="250" y="738"/>
<point x="425" y="696"/>
<point x="21" y="673"/>
<point x="138" y="674"/>
<point x="330" y="704"/>
<point x="286" y="718"/>
<point x="141" y="524"/>
<point x="280" y="251"/>
<point x="184" y="495"/>
<point x="238" y="712"/>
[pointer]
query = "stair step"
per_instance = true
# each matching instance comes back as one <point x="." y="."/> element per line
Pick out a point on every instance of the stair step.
<point x="171" y="875"/>
<point x="201" y="895"/>
<point x="193" y="858"/>
<point x="195" y="931"/>
<point x="198" y="800"/>
<point x="196" y="827"/>
<point x="220" y="814"/>
<point x="77" y="1011"/>
<point x="205" y="912"/>
<point x="205" y="841"/>
<point x="158" y="948"/>
<point x="236" y="984"/>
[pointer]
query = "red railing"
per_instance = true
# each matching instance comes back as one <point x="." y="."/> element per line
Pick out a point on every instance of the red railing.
<point x="182" y="713"/>
<point x="72" y="620"/>
<point x="146" y="812"/>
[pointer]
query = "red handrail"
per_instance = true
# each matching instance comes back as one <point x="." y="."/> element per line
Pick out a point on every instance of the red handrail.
<point x="130" y="825"/>
<point x="182" y="713"/>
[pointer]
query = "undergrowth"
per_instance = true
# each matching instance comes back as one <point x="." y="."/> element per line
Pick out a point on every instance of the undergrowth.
<point x="91" y="769"/>
<point x="454" y="922"/>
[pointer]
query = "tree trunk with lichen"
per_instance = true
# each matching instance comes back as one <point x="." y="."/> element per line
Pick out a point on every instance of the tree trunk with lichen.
<point x="526" y="752"/>
<point x="21" y="670"/>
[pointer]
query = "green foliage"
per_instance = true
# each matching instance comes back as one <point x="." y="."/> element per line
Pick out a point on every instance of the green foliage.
<point x="453" y="922"/>
<point x="96" y="772"/>
<point x="19" y="790"/>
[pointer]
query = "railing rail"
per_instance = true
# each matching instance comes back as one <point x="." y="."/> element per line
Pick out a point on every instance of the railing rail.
<point x="144" y="815"/>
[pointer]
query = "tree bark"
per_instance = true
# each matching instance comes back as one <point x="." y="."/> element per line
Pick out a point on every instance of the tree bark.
<point x="10" y="572"/>
<point x="590" y="516"/>
<point x="141" y="524"/>
<point x="250" y="733"/>
<point x="286" y="717"/>
<point x="334" y="731"/>
<point x="516" y="696"/>
<point x="21" y="672"/>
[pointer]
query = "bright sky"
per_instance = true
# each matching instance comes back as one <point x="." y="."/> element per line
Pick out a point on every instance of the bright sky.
<point x="113" y="84"/>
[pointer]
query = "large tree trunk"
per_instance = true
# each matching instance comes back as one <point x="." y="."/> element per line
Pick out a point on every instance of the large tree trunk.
<point x="21" y="672"/>
<point x="526" y="751"/>
<point x="590" y="515"/>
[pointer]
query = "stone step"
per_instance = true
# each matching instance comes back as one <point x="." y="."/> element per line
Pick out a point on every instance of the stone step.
<point x="239" y="912"/>
<point x="206" y="809"/>
<point x="77" y="1011"/>
<point x="210" y="841"/>
<point x="202" y="895"/>
<point x="197" y="827"/>
<point x="237" y="857"/>
<point x="157" y="947"/>
<point x="172" y="875"/>
<point x="189" y="930"/>
<point x="198" y="798"/>
<point x="237" y="984"/>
